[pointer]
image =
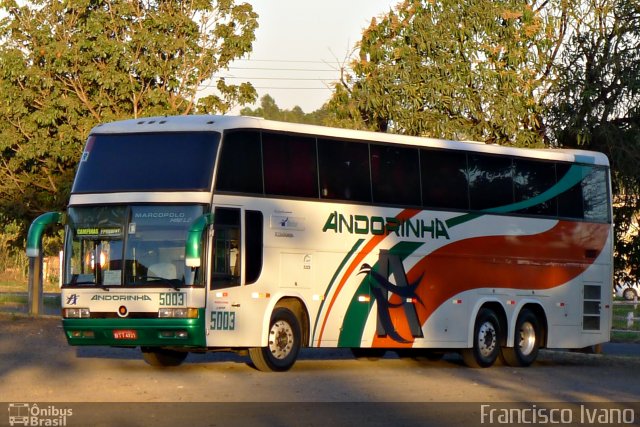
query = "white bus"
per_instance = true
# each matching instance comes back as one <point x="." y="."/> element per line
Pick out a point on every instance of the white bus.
<point x="206" y="233"/>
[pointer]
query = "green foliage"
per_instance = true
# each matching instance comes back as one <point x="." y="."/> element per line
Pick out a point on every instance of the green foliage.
<point x="269" y="110"/>
<point x="451" y="69"/>
<point x="66" y="66"/>
<point x="595" y="106"/>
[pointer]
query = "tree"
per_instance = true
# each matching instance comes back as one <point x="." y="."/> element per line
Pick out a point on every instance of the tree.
<point x="595" y="105"/>
<point x="452" y="69"/>
<point x="67" y="65"/>
<point x="269" y="110"/>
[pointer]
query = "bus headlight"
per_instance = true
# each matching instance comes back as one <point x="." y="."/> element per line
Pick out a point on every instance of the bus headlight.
<point x="178" y="313"/>
<point x="75" y="313"/>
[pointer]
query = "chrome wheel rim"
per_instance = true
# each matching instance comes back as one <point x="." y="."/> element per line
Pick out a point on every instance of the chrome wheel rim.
<point x="527" y="338"/>
<point x="487" y="339"/>
<point x="280" y="339"/>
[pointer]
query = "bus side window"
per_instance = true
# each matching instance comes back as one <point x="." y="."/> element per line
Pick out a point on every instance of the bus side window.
<point x="254" y="229"/>
<point x="225" y="262"/>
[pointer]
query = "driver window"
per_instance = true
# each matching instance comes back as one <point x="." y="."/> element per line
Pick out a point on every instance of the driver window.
<point x="225" y="262"/>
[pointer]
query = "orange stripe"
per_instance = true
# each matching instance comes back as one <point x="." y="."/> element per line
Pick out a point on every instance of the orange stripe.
<point x="552" y="259"/>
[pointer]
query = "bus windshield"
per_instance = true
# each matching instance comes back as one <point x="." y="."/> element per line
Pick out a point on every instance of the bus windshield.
<point x="129" y="246"/>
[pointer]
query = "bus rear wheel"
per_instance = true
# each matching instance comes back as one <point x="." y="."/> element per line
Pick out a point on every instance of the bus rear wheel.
<point x="162" y="357"/>
<point x="486" y="341"/>
<point x="285" y="336"/>
<point x="526" y="342"/>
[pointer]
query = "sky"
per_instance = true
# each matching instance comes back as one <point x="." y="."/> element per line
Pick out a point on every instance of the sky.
<point x="300" y="46"/>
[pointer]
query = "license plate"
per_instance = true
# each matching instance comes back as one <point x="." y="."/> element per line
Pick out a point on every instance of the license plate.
<point x="125" y="334"/>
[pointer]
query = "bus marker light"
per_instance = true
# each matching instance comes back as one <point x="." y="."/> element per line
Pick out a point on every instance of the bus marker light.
<point x="511" y="302"/>
<point x="221" y="294"/>
<point x="560" y="304"/>
<point x="409" y="300"/>
<point x="364" y="298"/>
<point x="257" y="295"/>
<point x="457" y="301"/>
<point x="317" y="297"/>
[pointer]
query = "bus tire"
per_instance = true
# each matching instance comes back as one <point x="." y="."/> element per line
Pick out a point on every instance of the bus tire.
<point x="486" y="341"/>
<point x="162" y="357"/>
<point x="526" y="341"/>
<point x="285" y="338"/>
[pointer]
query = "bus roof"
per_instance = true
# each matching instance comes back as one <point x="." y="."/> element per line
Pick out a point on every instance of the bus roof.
<point x="217" y="123"/>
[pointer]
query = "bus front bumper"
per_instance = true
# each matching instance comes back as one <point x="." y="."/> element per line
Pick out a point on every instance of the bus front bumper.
<point x="128" y="332"/>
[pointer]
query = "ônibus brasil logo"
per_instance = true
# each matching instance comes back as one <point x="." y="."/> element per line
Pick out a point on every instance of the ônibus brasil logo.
<point x="27" y="414"/>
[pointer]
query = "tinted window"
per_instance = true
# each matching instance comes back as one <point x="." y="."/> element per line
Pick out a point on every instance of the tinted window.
<point x="530" y="180"/>
<point x="253" y="238"/>
<point x="444" y="179"/>
<point x="240" y="168"/>
<point x="290" y="165"/>
<point x="570" y="201"/>
<point x="344" y="170"/>
<point x="490" y="181"/>
<point x="225" y="261"/>
<point x="395" y="175"/>
<point x="594" y="191"/>
<point x="147" y="162"/>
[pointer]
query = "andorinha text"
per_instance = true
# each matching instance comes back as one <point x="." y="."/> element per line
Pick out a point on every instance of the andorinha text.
<point x="377" y="225"/>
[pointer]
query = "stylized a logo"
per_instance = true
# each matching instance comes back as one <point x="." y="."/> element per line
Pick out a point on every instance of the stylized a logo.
<point x="391" y="265"/>
<point x="72" y="299"/>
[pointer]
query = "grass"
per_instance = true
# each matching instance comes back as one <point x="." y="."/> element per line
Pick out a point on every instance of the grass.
<point x="622" y="329"/>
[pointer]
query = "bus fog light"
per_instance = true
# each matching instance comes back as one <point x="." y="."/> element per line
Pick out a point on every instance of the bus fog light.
<point x="182" y="334"/>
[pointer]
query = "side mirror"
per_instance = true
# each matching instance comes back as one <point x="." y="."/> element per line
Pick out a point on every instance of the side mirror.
<point x="193" y="246"/>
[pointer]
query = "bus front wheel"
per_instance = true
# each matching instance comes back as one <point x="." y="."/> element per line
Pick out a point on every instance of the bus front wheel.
<point x="162" y="357"/>
<point x="526" y="342"/>
<point x="486" y="341"/>
<point x="285" y="336"/>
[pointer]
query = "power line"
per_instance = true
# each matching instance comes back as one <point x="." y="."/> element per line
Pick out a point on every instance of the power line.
<point x="270" y="78"/>
<point x="285" y="69"/>
<point x="287" y="61"/>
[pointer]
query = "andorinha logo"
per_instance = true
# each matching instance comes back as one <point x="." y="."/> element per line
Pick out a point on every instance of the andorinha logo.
<point x="378" y="225"/>
<point x="121" y="298"/>
<point x="27" y="414"/>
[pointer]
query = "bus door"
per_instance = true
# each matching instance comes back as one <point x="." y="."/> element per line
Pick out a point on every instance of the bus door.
<point x="230" y="318"/>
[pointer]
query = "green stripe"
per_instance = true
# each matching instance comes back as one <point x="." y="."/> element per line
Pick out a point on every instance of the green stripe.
<point x="358" y="312"/>
<point x="574" y="175"/>
<point x="333" y="281"/>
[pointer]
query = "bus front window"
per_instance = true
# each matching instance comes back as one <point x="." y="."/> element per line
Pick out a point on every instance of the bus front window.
<point x="129" y="246"/>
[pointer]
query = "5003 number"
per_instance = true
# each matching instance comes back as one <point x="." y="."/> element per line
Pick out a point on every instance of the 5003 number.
<point x="172" y="298"/>
<point x="223" y="320"/>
